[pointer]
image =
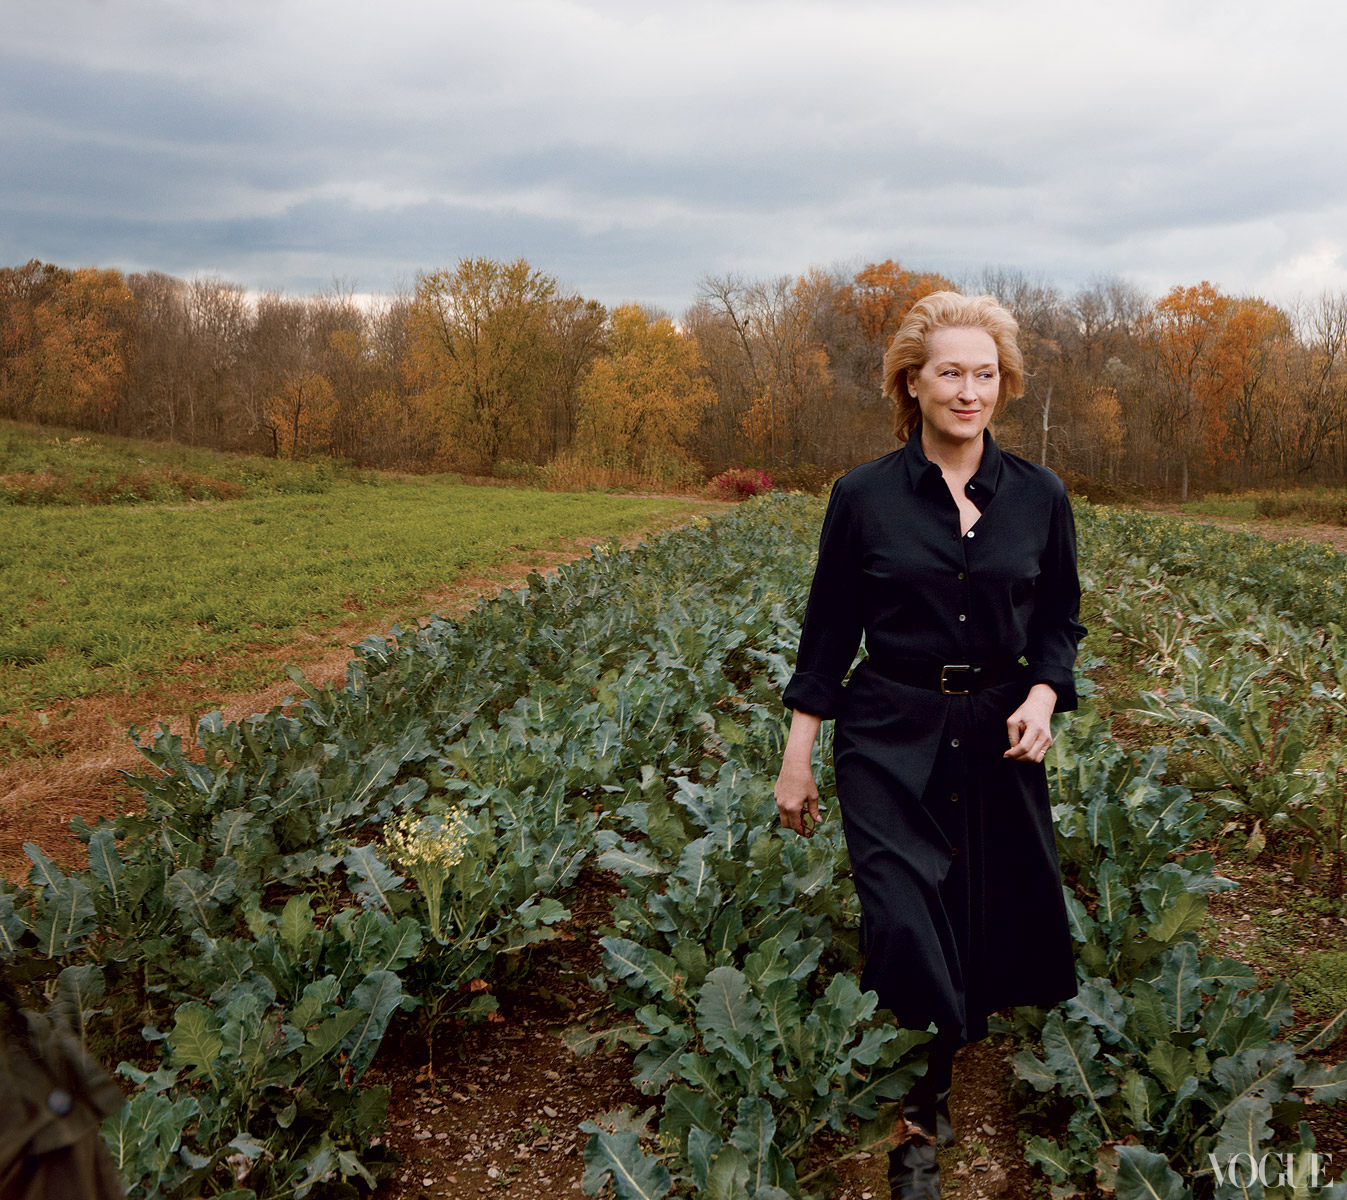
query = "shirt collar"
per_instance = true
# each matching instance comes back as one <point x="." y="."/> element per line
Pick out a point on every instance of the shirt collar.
<point x="921" y="471"/>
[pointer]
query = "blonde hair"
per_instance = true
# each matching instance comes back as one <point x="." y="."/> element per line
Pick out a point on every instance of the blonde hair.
<point x="910" y="348"/>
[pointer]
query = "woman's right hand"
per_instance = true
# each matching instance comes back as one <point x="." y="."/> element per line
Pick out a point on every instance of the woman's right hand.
<point x="797" y="797"/>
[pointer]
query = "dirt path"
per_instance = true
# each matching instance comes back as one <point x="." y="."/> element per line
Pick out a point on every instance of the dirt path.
<point x="500" y="1113"/>
<point x="81" y="754"/>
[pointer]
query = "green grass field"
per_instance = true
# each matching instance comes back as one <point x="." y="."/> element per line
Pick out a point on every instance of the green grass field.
<point x="1323" y="505"/>
<point x="41" y="466"/>
<point x="109" y="598"/>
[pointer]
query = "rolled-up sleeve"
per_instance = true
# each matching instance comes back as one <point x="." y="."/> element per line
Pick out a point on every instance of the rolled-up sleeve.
<point x="1055" y="629"/>
<point x="832" y="622"/>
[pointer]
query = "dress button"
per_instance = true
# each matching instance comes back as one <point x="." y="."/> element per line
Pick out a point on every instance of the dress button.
<point x="60" y="1102"/>
<point x="960" y="574"/>
<point x="954" y="797"/>
<point x="953" y="850"/>
<point x="962" y="617"/>
<point x="954" y="742"/>
<point x="970" y="533"/>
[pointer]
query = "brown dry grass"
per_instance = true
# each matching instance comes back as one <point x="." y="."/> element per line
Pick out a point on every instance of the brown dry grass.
<point x="33" y="479"/>
<point x="82" y="752"/>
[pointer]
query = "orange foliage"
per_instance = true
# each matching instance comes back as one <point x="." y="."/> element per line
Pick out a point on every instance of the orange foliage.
<point x="1186" y="326"/>
<point x="300" y="415"/>
<point x="1186" y="323"/>
<point x="490" y="362"/>
<point x="1238" y="383"/>
<point x="881" y="296"/>
<point x="646" y="394"/>
<point x="480" y="344"/>
<point x="67" y="347"/>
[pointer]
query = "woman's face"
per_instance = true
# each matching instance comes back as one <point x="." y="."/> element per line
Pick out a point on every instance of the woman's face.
<point x="958" y="386"/>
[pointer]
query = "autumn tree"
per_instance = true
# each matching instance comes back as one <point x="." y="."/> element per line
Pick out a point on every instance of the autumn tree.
<point x="1103" y="321"/>
<point x="480" y="337"/>
<point x="491" y="360"/>
<point x="218" y="321"/>
<point x="1185" y="327"/>
<point x="879" y="297"/>
<point x="401" y="430"/>
<point x="1309" y="433"/>
<point x="65" y="351"/>
<point x="719" y="439"/>
<point x="576" y="329"/>
<point x="338" y="348"/>
<point x="1239" y="388"/>
<point x="377" y="420"/>
<point x="1099" y="431"/>
<point x="22" y="290"/>
<point x="781" y="364"/>
<point x="298" y="418"/>
<point x="159" y="367"/>
<point x="1027" y="426"/>
<point x="641" y="401"/>
<point x="279" y="346"/>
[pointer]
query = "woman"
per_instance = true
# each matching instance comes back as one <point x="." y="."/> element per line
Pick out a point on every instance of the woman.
<point x="957" y="562"/>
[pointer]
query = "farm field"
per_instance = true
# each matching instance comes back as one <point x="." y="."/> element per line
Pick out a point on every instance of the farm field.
<point x="109" y="599"/>
<point x="527" y="861"/>
<point x="130" y="612"/>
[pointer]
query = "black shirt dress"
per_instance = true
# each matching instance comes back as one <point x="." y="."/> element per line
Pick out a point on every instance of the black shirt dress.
<point x="951" y="844"/>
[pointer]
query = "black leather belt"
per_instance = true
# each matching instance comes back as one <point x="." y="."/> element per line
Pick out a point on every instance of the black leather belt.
<point x="953" y="679"/>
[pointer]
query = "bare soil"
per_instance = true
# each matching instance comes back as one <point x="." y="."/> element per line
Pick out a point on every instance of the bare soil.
<point x="498" y="1111"/>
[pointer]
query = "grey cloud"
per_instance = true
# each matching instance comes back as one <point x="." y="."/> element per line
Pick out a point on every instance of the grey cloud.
<point x="630" y="151"/>
<point x="116" y="104"/>
<point x="302" y="249"/>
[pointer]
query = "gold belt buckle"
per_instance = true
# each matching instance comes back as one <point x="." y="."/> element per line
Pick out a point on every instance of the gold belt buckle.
<point x="948" y="691"/>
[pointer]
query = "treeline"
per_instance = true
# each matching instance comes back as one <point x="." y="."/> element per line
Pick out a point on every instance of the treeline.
<point x="496" y="367"/>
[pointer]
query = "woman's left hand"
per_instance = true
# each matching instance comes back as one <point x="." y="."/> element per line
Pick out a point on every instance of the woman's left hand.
<point x="1030" y="726"/>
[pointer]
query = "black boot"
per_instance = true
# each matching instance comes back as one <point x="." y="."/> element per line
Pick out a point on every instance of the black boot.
<point x="927" y="1103"/>
<point x="914" y="1173"/>
<point x="944" y="1128"/>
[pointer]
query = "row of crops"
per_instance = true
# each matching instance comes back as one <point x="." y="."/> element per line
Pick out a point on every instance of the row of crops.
<point x="398" y="845"/>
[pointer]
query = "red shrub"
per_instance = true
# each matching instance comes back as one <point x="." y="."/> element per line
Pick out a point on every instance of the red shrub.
<point x="739" y="483"/>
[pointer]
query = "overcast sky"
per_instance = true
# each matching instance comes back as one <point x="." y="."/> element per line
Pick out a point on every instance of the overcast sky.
<point x="631" y="148"/>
